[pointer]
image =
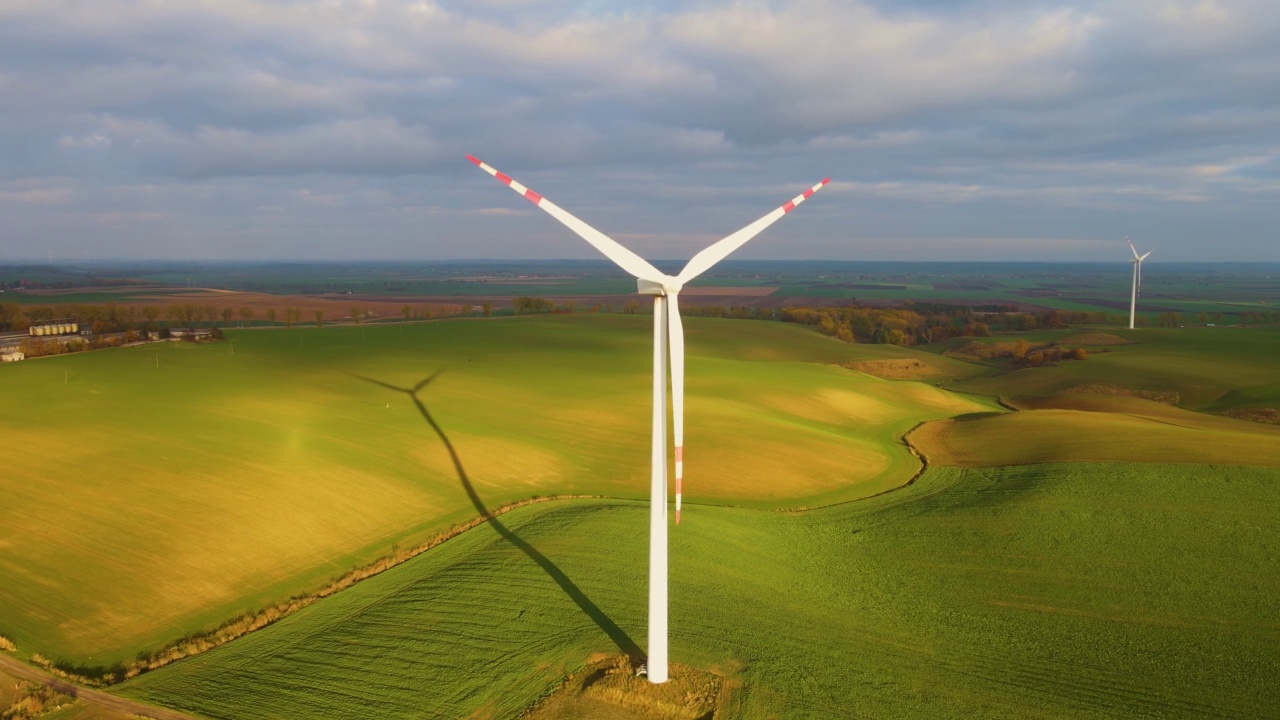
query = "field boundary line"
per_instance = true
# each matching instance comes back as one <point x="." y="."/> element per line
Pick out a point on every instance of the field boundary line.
<point x="916" y="453"/>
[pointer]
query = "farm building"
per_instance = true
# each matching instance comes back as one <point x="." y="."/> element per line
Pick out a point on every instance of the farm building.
<point x="65" y="327"/>
<point x="11" y="347"/>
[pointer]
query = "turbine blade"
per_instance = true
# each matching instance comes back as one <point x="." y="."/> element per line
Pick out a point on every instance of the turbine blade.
<point x="624" y="258"/>
<point x="1144" y="257"/>
<point x="675" y="330"/>
<point x="717" y="252"/>
<point x="1132" y="249"/>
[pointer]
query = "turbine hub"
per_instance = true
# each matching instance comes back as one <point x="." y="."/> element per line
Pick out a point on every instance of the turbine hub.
<point x="667" y="286"/>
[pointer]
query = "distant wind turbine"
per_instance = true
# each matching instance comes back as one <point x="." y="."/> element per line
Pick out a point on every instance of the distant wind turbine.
<point x="668" y="335"/>
<point x="1137" y="279"/>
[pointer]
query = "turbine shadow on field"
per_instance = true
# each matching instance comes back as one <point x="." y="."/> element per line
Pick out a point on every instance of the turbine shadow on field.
<point x="610" y="628"/>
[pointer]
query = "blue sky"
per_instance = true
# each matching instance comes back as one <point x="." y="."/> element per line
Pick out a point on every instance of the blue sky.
<point x="246" y="129"/>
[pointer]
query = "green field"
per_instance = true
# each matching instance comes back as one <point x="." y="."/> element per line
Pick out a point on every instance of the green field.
<point x="1089" y="554"/>
<point x="166" y="488"/>
<point x="1094" y="428"/>
<point x="1068" y="590"/>
<point x="1211" y="369"/>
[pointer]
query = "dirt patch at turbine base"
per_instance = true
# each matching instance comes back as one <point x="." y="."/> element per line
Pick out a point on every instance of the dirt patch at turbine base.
<point x="609" y="689"/>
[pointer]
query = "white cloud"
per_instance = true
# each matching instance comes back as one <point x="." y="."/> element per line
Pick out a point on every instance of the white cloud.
<point x="53" y="196"/>
<point x="340" y="146"/>
<point x="92" y="140"/>
<point x="821" y="63"/>
<point x="37" y="191"/>
<point x="879" y="139"/>
<point x="720" y="108"/>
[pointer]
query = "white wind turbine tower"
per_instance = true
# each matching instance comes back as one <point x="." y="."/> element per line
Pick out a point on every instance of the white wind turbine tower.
<point x="1137" y="279"/>
<point x="668" y="334"/>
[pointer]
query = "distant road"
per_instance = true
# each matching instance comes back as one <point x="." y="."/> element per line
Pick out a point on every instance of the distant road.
<point x="13" y="666"/>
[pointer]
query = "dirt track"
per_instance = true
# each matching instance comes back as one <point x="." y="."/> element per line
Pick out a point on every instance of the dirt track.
<point x="12" y="666"/>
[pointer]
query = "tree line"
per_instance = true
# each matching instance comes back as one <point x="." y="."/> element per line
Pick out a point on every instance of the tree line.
<point x="114" y="318"/>
<point x="913" y="323"/>
<point x="920" y="323"/>
<point x="1020" y="353"/>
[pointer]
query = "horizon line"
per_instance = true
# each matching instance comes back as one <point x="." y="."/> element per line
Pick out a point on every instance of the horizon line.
<point x="605" y="261"/>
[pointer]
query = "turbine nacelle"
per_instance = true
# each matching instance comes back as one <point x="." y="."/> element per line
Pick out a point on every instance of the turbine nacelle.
<point x="1136" y="257"/>
<point x="666" y="287"/>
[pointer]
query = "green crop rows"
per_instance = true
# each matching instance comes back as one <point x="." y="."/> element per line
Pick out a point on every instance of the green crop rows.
<point x="1076" y="590"/>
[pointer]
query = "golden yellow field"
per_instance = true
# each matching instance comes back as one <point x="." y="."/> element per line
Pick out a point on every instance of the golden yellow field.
<point x="1096" y="428"/>
<point x="168" y="488"/>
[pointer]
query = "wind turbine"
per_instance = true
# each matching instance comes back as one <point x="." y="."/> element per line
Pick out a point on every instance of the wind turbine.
<point x="1137" y="279"/>
<point x="668" y="336"/>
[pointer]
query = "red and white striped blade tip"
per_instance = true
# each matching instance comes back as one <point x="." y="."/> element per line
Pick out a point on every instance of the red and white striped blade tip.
<point x="507" y="180"/>
<point x="790" y="205"/>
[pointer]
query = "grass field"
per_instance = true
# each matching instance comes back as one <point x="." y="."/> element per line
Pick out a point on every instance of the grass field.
<point x="1049" y="591"/>
<point x="1097" y="428"/>
<point x="1211" y="369"/>
<point x="1086" y="411"/>
<point x="163" y="489"/>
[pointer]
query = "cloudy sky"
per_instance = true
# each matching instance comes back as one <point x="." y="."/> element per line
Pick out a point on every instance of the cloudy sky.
<point x="338" y="129"/>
